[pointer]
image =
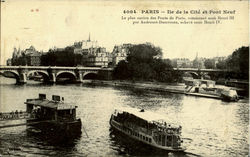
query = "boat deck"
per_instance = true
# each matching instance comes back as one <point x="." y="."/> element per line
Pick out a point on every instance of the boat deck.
<point x="204" y="95"/>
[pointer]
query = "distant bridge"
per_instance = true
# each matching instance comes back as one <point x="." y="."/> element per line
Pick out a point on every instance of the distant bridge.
<point x="51" y="74"/>
<point x="199" y="73"/>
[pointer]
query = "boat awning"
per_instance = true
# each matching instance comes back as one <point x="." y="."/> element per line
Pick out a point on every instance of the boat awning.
<point x="57" y="105"/>
<point x="148" y="116"/>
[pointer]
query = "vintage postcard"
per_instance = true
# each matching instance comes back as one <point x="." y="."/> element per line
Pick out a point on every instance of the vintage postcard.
<point x="124" y="78"/>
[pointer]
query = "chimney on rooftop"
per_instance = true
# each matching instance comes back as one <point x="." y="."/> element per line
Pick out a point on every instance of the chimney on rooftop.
<point x="55" y="97"/>
<point x="42" y="96"/>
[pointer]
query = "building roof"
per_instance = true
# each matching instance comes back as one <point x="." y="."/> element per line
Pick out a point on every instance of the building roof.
<point x="32" y="47"/>
<point x="57" y="105"/>
<point x="34" y="53"/>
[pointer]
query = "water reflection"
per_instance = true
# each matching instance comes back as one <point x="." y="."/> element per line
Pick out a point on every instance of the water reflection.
<point x="53" y="139"/>
<point x="211" y="127"/>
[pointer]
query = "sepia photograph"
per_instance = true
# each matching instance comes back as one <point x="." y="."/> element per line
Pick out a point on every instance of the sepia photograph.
<point x="124" y="78"/>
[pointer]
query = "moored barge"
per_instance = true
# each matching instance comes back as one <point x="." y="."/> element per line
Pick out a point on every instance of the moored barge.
<point x="53" y="116"/>
<point x="148" y="128"/>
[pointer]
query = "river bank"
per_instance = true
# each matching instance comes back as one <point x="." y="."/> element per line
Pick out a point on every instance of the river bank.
<point x="177" y="88"/>
<point x="153" y="86"/>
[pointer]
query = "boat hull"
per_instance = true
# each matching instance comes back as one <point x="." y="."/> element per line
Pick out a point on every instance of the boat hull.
<point x="67" y="129"/>
<point x="130" y="146"/>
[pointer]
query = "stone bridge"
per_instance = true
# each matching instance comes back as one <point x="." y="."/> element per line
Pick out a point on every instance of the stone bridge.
<point x="78" y="74"/>
<point x="51" y="74"/>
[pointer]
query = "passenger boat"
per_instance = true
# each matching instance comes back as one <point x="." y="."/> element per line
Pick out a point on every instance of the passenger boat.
<point x="148" y="128"/>
<point x="53" y="116"/>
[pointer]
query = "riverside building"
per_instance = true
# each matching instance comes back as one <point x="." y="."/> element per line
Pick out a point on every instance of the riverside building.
<point x="29" y="56"/>
<point x="92" y="54"/>
<point x="120" y="53"/>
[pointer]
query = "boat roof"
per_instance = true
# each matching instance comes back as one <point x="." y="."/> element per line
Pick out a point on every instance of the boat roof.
<point x="57" y="105"/>
<point x="146" y="115"/>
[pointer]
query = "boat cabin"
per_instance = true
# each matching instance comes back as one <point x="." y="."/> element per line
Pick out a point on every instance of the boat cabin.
<point x="55" y="109"/>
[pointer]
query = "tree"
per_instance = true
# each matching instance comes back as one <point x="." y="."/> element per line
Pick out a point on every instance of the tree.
<point x="238" y="62"/>
<point x="65" y="57"/>
<point x="209" y="64"/>
<point x="21" y="60"/>
<point x="122" y="71"/>
<point x="221" y="64"/>
<point x="143" y="53"/>
<point x="144" y="63"/>
<point x="49" y="59"/>
<point x="196" y="63"/>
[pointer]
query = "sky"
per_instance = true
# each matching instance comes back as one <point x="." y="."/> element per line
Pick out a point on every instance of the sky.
<point x="45" y="24"/>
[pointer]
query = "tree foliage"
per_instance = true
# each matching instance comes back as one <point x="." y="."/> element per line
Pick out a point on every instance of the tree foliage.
<point x="221" y="64"/>
<point x="209" y="64"/>
<point x="144" y="63"/>
<point x="122" y="70"/>
<point x="197" y="63"/>
<point x="22" y="60"/>
<point x="238" y="62"/>
<point x="65" y="57"/>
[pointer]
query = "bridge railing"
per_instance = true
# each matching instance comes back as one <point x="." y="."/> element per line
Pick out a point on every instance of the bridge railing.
<point x="197" y="69"/>
<point x="52" y="67"/>
<point x="94" y="68"/>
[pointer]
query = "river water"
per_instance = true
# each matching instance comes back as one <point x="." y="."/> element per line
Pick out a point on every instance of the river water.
<point x="210" y="127"/>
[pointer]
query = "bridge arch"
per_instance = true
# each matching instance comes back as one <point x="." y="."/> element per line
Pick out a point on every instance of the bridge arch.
<point x="45" y="74"/>
<point x="193" y="74"/>
<point x="205" y="75"/>
<point x="15" y="74"/>
<point x="39" y="71"/>
<point x="12" y="71"/>
<point x="90" y="75"/>
<point x="66" y="74"/>
<point x="69" y="72"/>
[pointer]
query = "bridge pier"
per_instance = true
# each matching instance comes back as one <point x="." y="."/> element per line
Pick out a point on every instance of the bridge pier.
<point x="79" y="78"/>
<point x="22" y="79"/>
<point x="52" y="78"/>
